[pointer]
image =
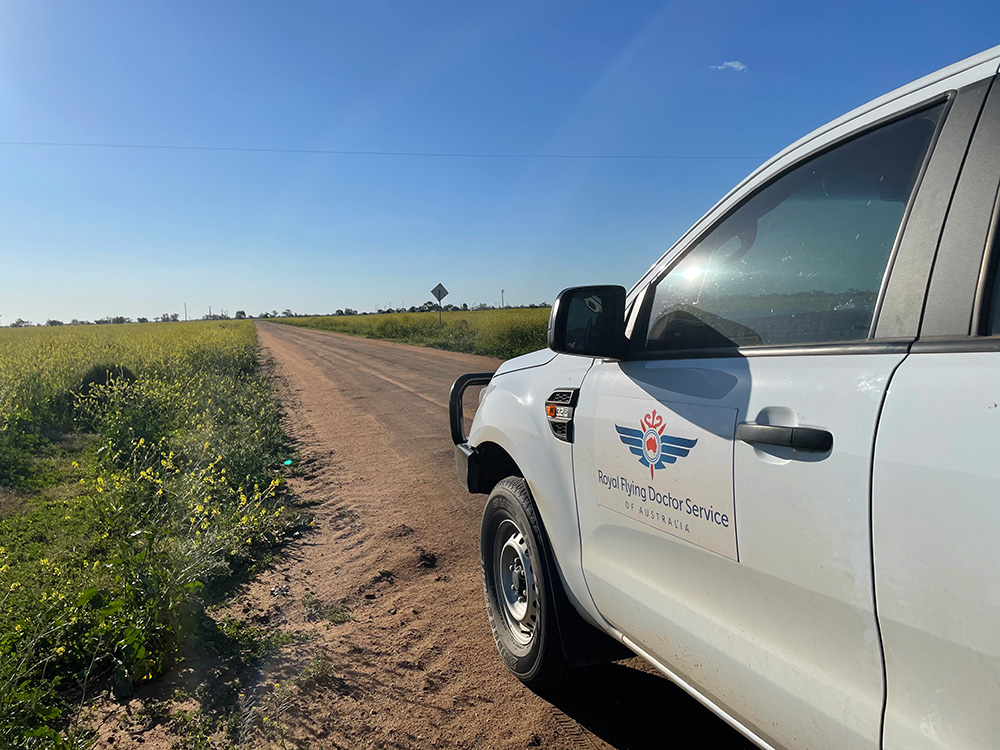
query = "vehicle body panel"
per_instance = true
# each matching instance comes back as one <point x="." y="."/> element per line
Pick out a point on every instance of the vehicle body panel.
<point x="789" y="630"/>
<point x="937" y="561"/>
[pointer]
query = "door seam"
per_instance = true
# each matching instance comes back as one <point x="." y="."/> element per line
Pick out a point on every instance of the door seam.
<point x="871" y="550"/>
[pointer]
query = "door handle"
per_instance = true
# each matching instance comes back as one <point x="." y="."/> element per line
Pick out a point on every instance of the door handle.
<point x="800" y="438"/>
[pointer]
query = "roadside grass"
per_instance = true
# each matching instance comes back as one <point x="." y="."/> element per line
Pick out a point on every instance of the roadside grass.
<point x="317" y="609"/>
<point x="224" y="710"/>
<point x="494" y="333"/>
<point x="140" y="472"/>
<point x="232" y="713"/>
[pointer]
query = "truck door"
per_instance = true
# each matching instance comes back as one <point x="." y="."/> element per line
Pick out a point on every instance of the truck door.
<point x="935" y="502"/>
<point x="722" y="469"/>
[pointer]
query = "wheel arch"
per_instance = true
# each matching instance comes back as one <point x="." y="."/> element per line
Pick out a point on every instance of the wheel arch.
<point x="495" y="463"/>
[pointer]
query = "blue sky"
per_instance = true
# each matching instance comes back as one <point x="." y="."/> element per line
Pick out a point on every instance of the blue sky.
<point x="90" y="232"/>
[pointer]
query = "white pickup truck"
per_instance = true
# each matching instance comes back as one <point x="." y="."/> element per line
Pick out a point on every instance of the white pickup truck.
<point x="771" y="468"/>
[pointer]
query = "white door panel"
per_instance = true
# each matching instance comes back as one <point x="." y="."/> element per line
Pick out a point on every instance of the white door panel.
<point x="784" y="628"/>
<point x="936" y="512"/>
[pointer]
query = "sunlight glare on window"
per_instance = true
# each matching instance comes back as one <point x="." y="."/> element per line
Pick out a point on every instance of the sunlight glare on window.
<point x="692" y="273"/>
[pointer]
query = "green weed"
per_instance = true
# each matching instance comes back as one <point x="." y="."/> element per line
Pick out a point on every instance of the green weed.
<point x="495" y="333"/>
<point x="106" y="566"/>
<point x="316" y="609"/>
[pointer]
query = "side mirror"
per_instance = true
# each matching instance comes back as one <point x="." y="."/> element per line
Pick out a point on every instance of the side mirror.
<point x="590" y="321"/>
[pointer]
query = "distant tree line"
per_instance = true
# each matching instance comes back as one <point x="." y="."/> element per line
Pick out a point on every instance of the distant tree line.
<point x="118" y="319"/>
<point x="429" y="306"/>
<point x="109" y="320"/>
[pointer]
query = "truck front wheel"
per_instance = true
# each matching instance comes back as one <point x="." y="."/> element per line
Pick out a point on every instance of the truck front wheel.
<point x="520" y="593"/>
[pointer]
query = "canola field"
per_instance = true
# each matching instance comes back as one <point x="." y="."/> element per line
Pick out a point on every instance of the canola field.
<point x="140" y="466"/>
<point x="494" y="333"/>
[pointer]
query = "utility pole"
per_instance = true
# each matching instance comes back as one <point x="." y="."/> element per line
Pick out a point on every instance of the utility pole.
<point x="185" y="312"/>
<point x="501" y="299"/>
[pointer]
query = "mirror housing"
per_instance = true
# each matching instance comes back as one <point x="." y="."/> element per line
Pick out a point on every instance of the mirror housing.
<point x="589" y="321"/>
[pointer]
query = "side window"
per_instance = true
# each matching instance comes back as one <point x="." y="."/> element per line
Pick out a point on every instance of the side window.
<point x="802" y="260"/>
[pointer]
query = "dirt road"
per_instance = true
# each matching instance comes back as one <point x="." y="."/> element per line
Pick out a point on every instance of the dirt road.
<point x="396" y="542"/>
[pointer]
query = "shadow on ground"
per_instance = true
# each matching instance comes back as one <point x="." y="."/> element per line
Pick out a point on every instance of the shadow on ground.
<point x="632" y="709"/>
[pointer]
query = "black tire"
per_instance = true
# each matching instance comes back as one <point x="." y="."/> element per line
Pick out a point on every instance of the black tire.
<point x="514" y="553"/>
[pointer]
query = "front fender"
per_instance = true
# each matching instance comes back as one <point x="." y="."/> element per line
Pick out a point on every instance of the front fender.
<point x="512" y="417"/>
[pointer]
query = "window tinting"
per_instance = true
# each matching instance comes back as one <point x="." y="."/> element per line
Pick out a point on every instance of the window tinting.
<point x="802" y="260"/>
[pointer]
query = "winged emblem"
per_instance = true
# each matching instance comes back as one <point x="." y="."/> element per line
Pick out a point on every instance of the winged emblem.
<point x="653" y="448"/>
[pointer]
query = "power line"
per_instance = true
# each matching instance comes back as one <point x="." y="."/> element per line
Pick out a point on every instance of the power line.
<point x="344" y="152"/>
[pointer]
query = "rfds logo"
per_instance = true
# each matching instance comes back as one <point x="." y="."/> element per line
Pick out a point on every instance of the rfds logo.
<point x="653" y="448"/>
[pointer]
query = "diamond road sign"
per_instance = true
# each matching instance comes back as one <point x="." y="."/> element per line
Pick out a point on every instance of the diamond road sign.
<point x="439" y="292"/>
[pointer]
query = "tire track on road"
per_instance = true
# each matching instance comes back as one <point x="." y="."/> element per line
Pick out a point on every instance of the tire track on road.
<point x="330" y="355"/>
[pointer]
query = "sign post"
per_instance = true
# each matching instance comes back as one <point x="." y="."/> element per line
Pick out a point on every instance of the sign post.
<point x="439" y="293"/>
